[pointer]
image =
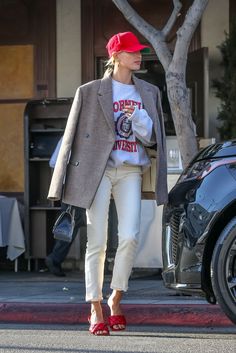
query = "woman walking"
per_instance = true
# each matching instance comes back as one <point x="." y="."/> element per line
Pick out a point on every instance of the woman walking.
<point x="102" y="154"/>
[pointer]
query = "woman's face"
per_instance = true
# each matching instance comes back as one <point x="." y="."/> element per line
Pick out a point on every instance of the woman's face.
<point x="131" y="61"/>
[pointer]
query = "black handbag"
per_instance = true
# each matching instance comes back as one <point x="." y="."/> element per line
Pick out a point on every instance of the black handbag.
<point x="64" y="225"/>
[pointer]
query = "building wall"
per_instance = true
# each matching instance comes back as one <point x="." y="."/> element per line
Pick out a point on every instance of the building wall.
<point x="215" y="22"/>
<point x="68" y="47"/>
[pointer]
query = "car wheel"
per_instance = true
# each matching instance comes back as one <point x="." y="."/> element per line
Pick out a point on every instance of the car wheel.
<point x="223" y="270"/>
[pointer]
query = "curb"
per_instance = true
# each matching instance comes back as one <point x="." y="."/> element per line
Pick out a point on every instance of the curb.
<point x="197" y="315"/>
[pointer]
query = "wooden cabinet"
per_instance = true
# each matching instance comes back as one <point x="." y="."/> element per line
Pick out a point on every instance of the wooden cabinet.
<point x="44" y="125"/>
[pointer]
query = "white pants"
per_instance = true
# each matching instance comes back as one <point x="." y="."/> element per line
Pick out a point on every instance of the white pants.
<point x="124" y="183"/>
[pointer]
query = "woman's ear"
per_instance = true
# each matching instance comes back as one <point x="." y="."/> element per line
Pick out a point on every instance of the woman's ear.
<point x="115" y="58"/>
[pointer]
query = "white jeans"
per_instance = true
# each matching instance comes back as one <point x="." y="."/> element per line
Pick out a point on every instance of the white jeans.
<point x="124" y="183"/>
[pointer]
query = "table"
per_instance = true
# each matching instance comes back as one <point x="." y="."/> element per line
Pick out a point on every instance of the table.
<point x="11" y="231"/>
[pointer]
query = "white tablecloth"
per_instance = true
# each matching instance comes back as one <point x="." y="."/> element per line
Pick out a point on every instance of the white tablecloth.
<point x="11" y="232"/>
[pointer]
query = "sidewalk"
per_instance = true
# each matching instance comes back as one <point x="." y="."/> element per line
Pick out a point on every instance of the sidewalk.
<point x="30" y="297"/>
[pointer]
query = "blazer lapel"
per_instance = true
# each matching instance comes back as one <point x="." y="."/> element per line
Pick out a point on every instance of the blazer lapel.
<point x="106" y="101"/>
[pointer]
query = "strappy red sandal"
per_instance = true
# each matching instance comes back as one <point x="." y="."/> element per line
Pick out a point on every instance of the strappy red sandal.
<point x="114" y="320"/>
<point x="95" y="328"/>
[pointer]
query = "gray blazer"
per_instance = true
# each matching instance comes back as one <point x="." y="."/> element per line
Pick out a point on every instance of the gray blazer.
<point x="89" y="138"/>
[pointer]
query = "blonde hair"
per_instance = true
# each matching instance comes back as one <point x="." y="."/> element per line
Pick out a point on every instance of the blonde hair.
<point x="109" y="66"/>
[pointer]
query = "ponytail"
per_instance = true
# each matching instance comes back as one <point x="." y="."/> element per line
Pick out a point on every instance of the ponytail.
<point x="109" y="67"/>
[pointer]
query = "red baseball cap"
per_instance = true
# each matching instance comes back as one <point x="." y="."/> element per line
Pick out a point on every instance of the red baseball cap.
<point x="125" y="41"/>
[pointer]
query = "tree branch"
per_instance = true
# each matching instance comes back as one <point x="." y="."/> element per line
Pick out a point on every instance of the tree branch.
<point x="168" y="27"/>
<point x="154" y="36"/>
<point x="185" y="33"/>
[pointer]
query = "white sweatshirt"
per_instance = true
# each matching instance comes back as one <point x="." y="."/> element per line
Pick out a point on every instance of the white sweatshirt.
<point x="127" y="149"/>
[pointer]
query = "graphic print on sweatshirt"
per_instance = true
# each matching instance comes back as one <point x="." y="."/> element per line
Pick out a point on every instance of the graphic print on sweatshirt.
<point x="123" y="126"/>
<point x="124" y="95"/>
<point x="125" y="149"/>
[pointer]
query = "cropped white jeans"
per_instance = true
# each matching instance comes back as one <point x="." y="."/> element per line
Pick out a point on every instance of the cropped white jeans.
<point x="124" y="183"/>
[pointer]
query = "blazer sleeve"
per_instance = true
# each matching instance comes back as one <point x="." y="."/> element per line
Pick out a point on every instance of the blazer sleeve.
<point x="161" y="173"/>
<point x="59" y="173"/>
<point x="161" y="118"/>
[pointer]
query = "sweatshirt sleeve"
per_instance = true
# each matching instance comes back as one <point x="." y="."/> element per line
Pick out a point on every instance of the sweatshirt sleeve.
<point x="142" y="126"/>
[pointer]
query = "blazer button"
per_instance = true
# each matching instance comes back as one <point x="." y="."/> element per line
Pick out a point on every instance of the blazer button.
<point x="87" y="135"/>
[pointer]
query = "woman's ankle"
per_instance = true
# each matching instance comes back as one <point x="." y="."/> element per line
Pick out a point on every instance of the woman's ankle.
<point x="96" y="312"/>
<point x="114" y="302"/>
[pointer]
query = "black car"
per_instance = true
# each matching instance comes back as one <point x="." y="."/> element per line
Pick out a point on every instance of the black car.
<point x="199" y="228"/>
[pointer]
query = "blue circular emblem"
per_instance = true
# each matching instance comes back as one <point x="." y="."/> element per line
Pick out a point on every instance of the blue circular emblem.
<point x="124" y="126"/>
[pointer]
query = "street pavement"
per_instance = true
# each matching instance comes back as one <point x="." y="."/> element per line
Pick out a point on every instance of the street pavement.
<point x="40" y="297"/>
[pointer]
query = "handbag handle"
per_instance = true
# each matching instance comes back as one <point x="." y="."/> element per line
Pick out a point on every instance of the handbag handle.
<point x="71" y="210"/>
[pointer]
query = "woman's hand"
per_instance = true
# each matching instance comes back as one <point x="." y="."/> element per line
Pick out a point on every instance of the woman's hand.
<point x="128" y="110"/>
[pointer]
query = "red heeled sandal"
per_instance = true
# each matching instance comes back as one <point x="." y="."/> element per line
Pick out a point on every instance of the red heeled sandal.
<point x="100" y="326"/>
<point x="114" y="320"/>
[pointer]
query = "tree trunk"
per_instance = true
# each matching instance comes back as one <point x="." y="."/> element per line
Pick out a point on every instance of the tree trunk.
<point x="179" y="100"/>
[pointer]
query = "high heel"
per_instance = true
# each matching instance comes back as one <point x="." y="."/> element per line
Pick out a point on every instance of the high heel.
<point x="115" y="320"/>
<point x="99" y="329"/>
